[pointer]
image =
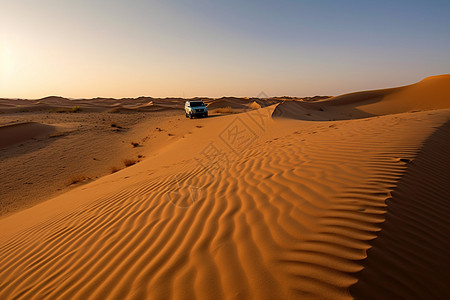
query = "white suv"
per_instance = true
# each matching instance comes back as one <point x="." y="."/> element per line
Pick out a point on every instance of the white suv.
<point x="195" y="108"/>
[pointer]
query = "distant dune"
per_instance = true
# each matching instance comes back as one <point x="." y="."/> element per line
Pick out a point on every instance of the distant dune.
<point x="336" y="198"/>
<point x="17" y="133"/>
<point x="141" y="104"/>
<point x="430" y="93"/>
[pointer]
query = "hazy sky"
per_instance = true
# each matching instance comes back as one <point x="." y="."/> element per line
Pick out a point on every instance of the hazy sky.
<point x="215" y="48"/>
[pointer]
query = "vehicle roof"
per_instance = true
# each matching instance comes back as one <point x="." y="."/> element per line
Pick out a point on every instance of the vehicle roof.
<point x="194" y="101"/>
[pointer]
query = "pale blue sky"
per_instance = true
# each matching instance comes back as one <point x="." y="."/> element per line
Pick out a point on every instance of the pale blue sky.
<point x="218" y="48"/>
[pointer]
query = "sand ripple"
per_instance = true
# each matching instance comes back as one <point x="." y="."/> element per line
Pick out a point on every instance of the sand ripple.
<point x="291" y="217"/>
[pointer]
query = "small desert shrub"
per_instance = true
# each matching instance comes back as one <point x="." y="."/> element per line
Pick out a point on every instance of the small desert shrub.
<point x="129" y="162"/>
<point x="75" y="109"/>
<point x="134" y="144"/>
<point x="77" y="178"/>
<point x="115" y="125"/>
<point x="140" y="156"/>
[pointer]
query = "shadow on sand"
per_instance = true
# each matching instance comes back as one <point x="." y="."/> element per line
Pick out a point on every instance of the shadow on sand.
<point x="410" y="258"/>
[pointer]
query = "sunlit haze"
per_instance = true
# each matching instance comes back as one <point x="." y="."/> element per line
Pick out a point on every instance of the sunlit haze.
<point x="84" y="49"/>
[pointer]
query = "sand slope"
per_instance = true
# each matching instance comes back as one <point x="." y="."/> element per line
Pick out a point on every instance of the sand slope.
<point x="18" y="133"/>
<point x="287" y="209"/>
<point x="410" y="257"/>
<point x="430" y="93"/>
<point x="84" y="146"/>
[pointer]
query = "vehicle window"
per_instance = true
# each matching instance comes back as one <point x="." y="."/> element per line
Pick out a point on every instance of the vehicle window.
<point x="196" y="104"/>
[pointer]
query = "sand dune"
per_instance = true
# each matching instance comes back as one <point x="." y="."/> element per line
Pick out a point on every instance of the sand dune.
<point x="141" y="104"/>
<point x="233" y="103"/>
<point x="239" y="103"/>
<point x="84" y="145"/>
<point x="430" y="93"/>
<point x="287" y="209"/>
<point x="18" y="133"/>
<point x="410" y="257"/>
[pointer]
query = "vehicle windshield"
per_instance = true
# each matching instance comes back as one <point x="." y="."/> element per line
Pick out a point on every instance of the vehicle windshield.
<point x="197" y="104"/>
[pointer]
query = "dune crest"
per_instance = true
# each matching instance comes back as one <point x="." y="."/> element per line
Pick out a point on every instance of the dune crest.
<point x="428" y="94"/>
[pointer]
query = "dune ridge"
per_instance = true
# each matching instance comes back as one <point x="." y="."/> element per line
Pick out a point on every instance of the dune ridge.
<point x="291" y="209"/>
<point x="427" y="94"/>
<point x="141" y="104"/>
